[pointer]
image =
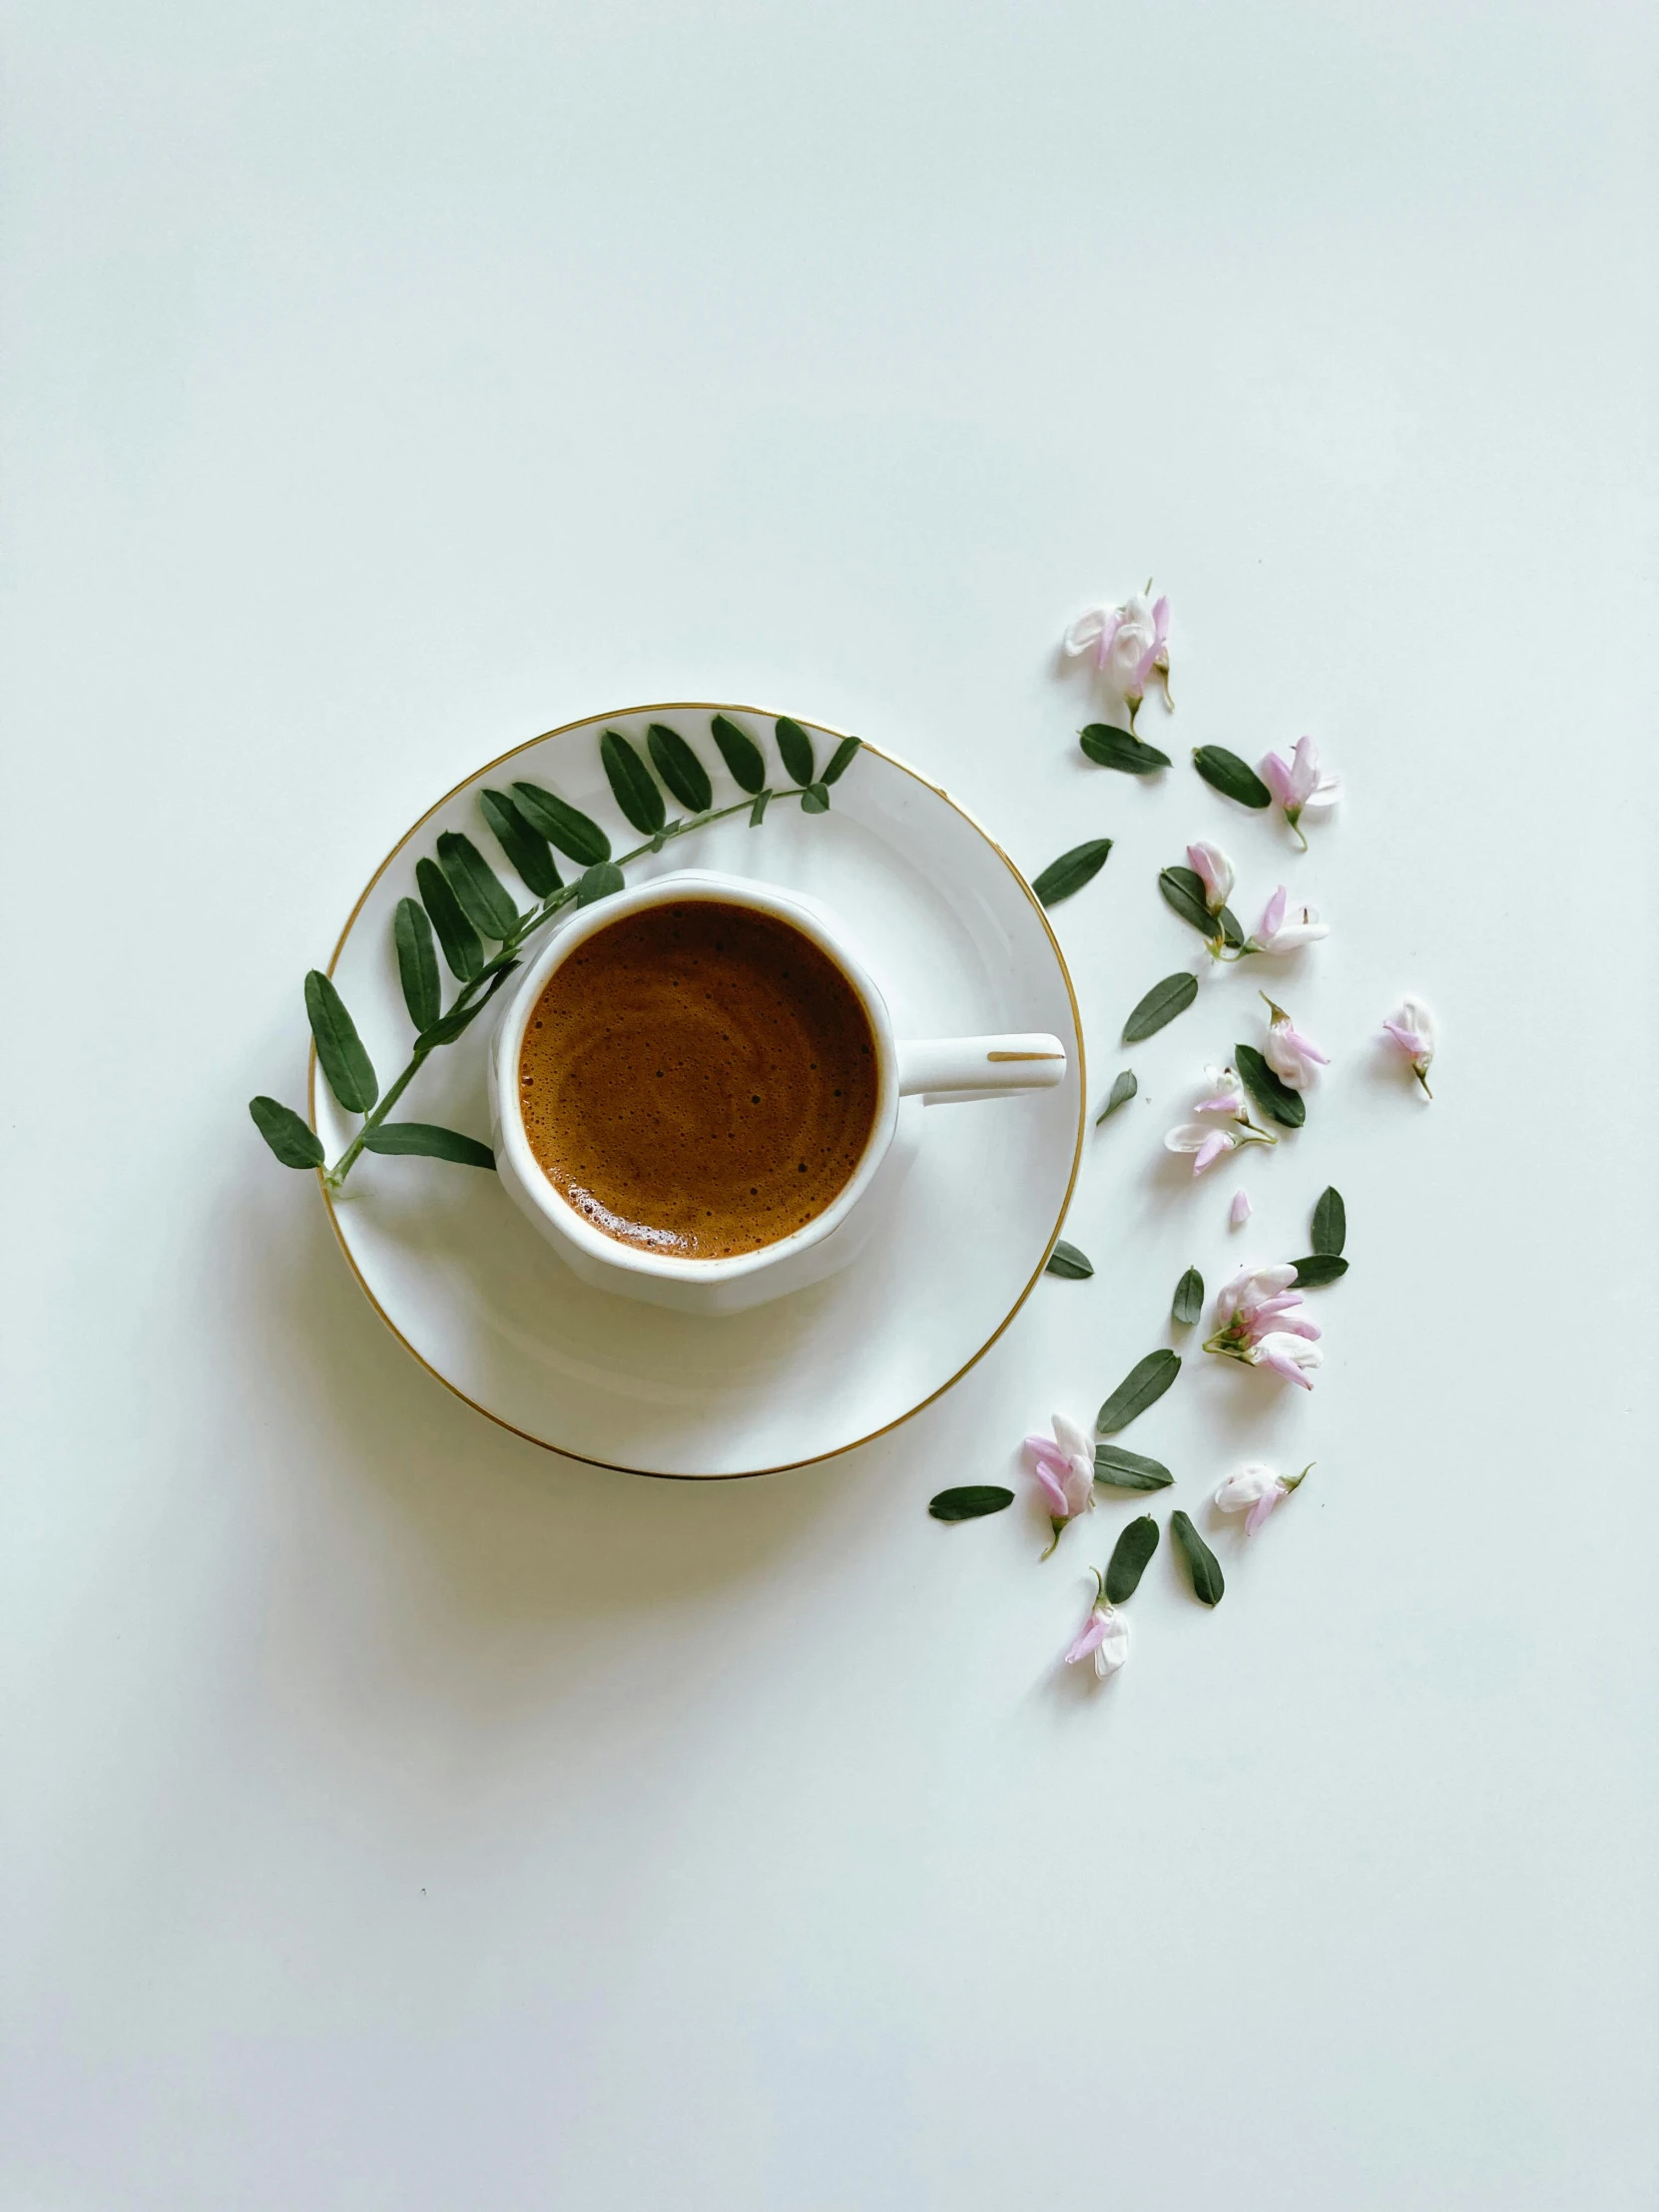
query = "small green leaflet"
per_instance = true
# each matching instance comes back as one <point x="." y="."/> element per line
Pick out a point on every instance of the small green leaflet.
<point x="340" y="1049"/>
<point x="418" y="963"/>
<point x="743" y="756"/>
<point x="603" y="881"/>
<point x="632" y="784"/>
<point x="1160" y="1005"/>
<point x="1111" y="747"/>
<point x="1065" y="1260"/>
<point x="1071" y="871"/>
<point x="680" y="768"/>
<point x="1137" y="1541"/>
<point x="1202" y="1563"/>
<point x="462" y="946"/>
<point x="1319" y="1269"/>
<point x="796" y="750"/>
<point x="479" y="892"/>
<point x="1276" y="1100"/>
<point x="294" y="1144"/>
<point x="1122" y="1091"/>
<point x="1234" y="778"/>
<point x="1143" y="1385"/>
<point x="815" y="799"/>
<point x="577" y="836"/>
<point x="973" y="1502"/>
<point x="428" y="1139"/>
<point x="529" y="852"/>
<point x="840" y="760"/>
<point x="1330" y="1221"/>
<point x="1127" y="1471"/>
<point x="756" y="813"/>
<point x="1187" y="1303"/>
<point x="461" y="1017"/>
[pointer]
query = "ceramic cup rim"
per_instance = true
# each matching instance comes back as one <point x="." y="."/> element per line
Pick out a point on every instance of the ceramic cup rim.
<point x="710" y="887"/>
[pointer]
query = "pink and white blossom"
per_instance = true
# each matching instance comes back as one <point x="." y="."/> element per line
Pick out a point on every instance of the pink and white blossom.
<point x="1225" y="1092"/>
<point x="1290" y="1356"/>
<point x="1064" y="1467"/>
<point x="1412" y="1027"/>
<point x="1256" y="1490"/>
<point x="1258" y="1321"/>
<point x="1240" y="1209"/>
<point x="1130" y="644"/>
<point x="1292" y="1056"/>
<point x="1286" y="928"/>
<point x="1104" y="1636"/>
<point x="1215" y="870"/>
<point x="1298" y="784"/>
<point x="1204" y="1141"/>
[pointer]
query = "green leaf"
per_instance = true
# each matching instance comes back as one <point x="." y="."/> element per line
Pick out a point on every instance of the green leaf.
<point x="530" y="852"/>
<point x="794" y="749"/>
<point x="602" y="882"/>
<point x="1202" y="1563"/>
<point x="1187" y="1303"/>
<point x="756" y="813"/>
<point x="1160" y="1005"/>
<point x="973" y="1502"/>
<point x="743" y="756"/>
<point x="840" y="760"/>
<point x="1071" y="871"/>
<point x="1319" y="1269"/>
<point x="418" y="963"/>
<point x="577" y="836"/>
<point x="462" y="946"/>
<point x="1127" y="1471"/>
<point x="459" y="1018"/>
<point x="340" y="1049"/>
<point x="815" y="799"/>
<point x="1124" y="1087"/>
<point x="293" y="1141"/>
<point x="479" y="892"/>
<point x="1182" y="889"/>
<point x="680" y="768"/>
<point x="1066" y="1261"/>
<point x="1234" y="778"/>
<point x="1276" y="1100"/>
<point x="632" y="784"/>
<point x="431" y="1140"/>
<point x="1143" y="1385"/>
<point x="1330" y="1221"/>
<point x="1111" y="747"/>
<point x="1137" y="1541"/>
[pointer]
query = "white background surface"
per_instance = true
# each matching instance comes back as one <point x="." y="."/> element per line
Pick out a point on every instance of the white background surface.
<point x="405" y="1819"/>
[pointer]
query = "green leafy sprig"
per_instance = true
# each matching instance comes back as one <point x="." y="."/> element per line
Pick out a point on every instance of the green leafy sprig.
<point x="467" y="913"/>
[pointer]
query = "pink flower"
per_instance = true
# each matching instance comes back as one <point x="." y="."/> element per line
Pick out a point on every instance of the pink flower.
<point x="1255" y="1294"/>
<point x="1256" y="1490"/>
<point x="1238" y="1211"/>
<point x="1225" y="1092"/>
<point x="1128" y="643"/>
<point x="1206" y="1144"/>
<point x="1105" y="1633"/>
<point x="1298" y="784"/>
<point x="1257" y="1322"/>
<point x="1292" y="1056"/>
<point x="1412" y="1027"/>
<point x="1211" y="864"/>
<point x="1064" y="1467"/>
<point x="1280" y="930"/>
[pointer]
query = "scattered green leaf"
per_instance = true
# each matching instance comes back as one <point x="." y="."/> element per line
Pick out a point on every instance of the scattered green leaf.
<point x="1160" y="1007"/>
<point x="680" y="768"/>
<point x="601" y="881"/>
<point x="577" y="836"/>
<point x="1234" y="778"/>
<point x="479" y="892"/>
<point x="529" y="852"/>
<point x="418" y="963"/>
<point x="973" y="1502"/>
<point x="463" y="948"/>
<point x="1276" y="1099"/>
<point x="744" y="758"/>
<point x="1182" y="889"/>
<point x="340" y="1049"/>
<point x="1065" y="1260"/>
<point x="1124" y="1087"/>
<point x="1319" y="1269"/>
<point x="1330" y="1221"/>
<point x="1127" y="1471"/>
<point x="633" y="785"/>
<point x="1187" y="1303"/>
<point x="293" y="1141"/>
<point x="431" y="1140"/>
<point x="1137" y="1541"/>
<point x="1071" y="871"/>
<point x="840" y="760"/>
<point x="1202" y="1565"/>
<point x="1121" y="749"/>
<point x="795" y="751"/>
<point x="1143" y="1385"/>
<point x="815" y="799"/>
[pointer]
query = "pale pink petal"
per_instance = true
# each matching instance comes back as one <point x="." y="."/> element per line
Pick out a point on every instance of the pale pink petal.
<point x="1304" y="1045"/>
<point x="1305" y="770"/>
<point x="1073" y="1443"/>
<point x="1092" y="1634"/>
<point x="1238" y="1211"/>
<point x="1108" y="632"/>
<point x="1275" y="774"/>
<point x="1160" y="621"/>
<point x="1262" y="1506"/>
<point x="1214" y="1145"/>
<point x="1225" y="1103"/>
<point x="1273" y="915"/>
<point x="1283" y="1365"/>
<point x="1047" y="1453"/>
<point x="1296" y="1325"/>
<point x="1052" y="1492"/>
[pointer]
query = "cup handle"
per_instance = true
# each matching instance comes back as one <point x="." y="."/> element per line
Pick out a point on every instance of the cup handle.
<point x="945" y="1069"/>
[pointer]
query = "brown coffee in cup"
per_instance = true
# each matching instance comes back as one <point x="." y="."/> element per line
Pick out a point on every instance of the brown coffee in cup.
<point x="699" y="1079"/>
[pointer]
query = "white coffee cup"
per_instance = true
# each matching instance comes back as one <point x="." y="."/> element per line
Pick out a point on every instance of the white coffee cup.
<point x="910" y="1072"/>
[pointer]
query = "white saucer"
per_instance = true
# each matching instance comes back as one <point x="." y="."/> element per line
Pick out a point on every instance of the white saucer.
<point x="951" y="932"/>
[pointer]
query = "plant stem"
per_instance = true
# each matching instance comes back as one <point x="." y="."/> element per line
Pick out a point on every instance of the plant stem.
<point x="523" y="930"/>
